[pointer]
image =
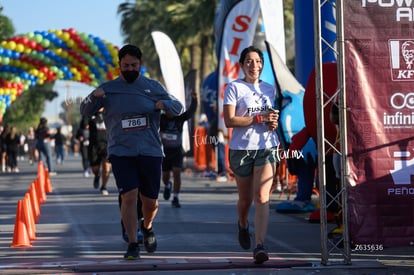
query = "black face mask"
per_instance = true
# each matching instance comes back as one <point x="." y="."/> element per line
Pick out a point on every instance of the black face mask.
<point x="130" y="76"/>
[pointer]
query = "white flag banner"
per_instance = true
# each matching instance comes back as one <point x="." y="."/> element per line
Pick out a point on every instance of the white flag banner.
<point x="273" y="23"/>
<point x="172" y="73"/>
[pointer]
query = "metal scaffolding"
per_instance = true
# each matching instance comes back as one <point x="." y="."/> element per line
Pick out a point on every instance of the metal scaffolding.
<point x="335" y="247"/>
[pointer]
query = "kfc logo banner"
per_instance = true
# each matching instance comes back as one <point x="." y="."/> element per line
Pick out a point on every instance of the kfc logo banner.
<point x="379" y="64"/>
<point x="402" y="59"/>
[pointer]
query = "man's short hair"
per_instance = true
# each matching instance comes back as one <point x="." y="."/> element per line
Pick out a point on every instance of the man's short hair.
<point x="129" y="50"/>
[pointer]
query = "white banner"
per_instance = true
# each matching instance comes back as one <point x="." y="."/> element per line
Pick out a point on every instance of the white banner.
<point x="172" y="73"/>
<point x="274" y="25"/>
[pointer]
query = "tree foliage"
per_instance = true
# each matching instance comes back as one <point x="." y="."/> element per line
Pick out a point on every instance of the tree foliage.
<point x="189" y="23"/>
<point x="26" y="110"/>
<point x="29" y="106"/>
<point x="6" y="26"/>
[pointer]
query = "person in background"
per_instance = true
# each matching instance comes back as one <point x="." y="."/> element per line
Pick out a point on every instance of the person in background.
<point x="60" y="141"/>
<point x="42" y="135"/>
<point x="209" y="92"/>
<point x="133" y="105"/>
<point x="219" y="147"/>
<point x="3" y="148"/>
<point x="31" y="143"/>
<point x="22" y="144"/>
<point x="12" y="143"/>
<point x="171" y="130"/>
<point x="248" y="109"/>
<point x="82" y="135"/>
<point x="97" y="151"/>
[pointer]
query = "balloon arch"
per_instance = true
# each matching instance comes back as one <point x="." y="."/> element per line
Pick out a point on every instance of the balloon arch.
<point x="38" y="57"/>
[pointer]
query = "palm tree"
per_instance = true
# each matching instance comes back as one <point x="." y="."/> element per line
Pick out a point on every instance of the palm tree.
<point x="189" y="23"/>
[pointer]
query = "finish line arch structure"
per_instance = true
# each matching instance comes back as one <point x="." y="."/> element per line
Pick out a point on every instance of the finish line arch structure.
<point x="39" y="57"/>
<point x="375" y="146"/>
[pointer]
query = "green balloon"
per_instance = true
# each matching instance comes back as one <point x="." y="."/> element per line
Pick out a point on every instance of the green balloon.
<point x="38" y="38"/>
<point x="45" y="43"/>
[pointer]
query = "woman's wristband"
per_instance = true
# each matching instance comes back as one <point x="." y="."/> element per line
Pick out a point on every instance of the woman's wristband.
<point x="259" y="118"/>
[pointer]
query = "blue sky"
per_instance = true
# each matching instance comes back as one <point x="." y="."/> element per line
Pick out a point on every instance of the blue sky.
<point x="96" y="17"/>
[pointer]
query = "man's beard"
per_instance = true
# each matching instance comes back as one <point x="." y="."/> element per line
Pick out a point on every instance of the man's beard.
<point x="130" y="76"/>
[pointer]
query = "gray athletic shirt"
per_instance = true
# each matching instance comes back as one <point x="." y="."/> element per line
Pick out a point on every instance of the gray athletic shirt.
<point x="132" y="122"/>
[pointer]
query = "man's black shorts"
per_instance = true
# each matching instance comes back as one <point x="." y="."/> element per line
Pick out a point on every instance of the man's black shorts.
<point x="173" y="158"/>
<point x="97" y="153"/>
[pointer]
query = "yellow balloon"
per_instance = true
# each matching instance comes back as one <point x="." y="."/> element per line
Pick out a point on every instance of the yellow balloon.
<point x="34" y="72"/>
<point x="25" y="66"/>
<point x="65" y="36"/>
<point x="64" y="54"/>
<point x="17" y="63"/>
<point x="11" y="45"/>
<point x="74" y="70"/>
<point x="70" y="43"/>
<point x="20" y="48"/>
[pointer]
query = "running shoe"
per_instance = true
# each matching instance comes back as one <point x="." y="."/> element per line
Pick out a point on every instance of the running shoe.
<point x="132" y="252"/>
<point x="244" y="237"/>
<point x="175" y="203"/>
<point x="104" y="192"/>
<point x="167" y="191"/>
<point x="260" y="254"/>
<point x="150" y="242"/>
<point x="140" y="238"/>
<point x="295" y="207"/>
<point x="96" y="182"/>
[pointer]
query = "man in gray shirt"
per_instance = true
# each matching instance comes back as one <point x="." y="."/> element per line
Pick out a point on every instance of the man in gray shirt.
<point x="133" y="105"/>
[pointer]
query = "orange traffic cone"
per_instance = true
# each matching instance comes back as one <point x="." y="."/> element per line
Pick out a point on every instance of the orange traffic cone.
<point x="41" y="174"/>
<point x="40" y="170"/>
<point x="48" y="184"/>
<point x="20" y="235"/>
<point x="33" y="201"/>
<point x="40" y="190"/>
<point x="28" y="217"/>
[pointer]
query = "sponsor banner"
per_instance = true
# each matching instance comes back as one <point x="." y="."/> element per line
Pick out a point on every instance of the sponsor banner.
<point x="172" y="73"/>
<point x="379" y="56"/>
<point x="238" y="32"/>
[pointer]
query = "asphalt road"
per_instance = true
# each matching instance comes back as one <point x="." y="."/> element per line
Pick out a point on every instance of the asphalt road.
<point x="78" y="232"/>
